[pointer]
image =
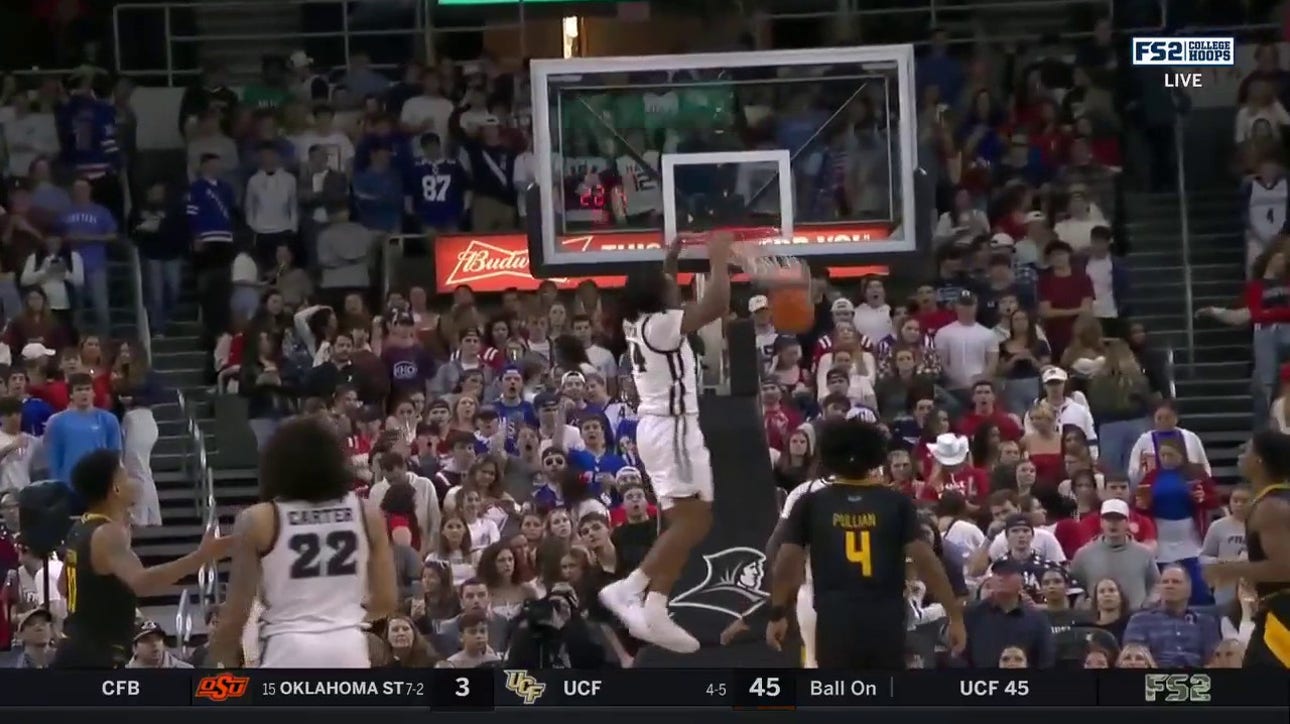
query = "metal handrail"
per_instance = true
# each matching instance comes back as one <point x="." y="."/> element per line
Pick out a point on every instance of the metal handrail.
<point x="1169" y="363"/>
<point x="423" y="26"/>
<point x="1184" y="229"/>
<point x="204" y="499"/>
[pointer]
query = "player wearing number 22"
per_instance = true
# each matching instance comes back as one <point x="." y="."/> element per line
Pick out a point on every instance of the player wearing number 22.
<point x="316" y="554"/>
<point x="102" y="578"/>
<point x="669" y="442"/>
<point x="860" y="533"/>
<point x="439" y="187"/>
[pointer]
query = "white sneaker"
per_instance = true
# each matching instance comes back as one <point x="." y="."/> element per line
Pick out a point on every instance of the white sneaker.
<point x="663" y="631"/>
<point x="626" y="604"/>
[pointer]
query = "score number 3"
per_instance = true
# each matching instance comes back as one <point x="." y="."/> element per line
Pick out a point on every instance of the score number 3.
<point x="858" y="552"/>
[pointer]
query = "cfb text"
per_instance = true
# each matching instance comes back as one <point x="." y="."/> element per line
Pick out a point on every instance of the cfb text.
<point x="120" y="687"/>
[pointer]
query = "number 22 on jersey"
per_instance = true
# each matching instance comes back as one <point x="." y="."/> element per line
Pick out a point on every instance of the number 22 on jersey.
<point x="858" y="551"/>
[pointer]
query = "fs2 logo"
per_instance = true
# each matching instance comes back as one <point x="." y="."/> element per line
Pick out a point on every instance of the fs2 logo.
<point x="1184" y="51"/>
<point x="1178" y="688"/>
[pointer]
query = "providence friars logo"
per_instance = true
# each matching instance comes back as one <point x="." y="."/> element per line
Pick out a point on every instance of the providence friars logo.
<point x="733" y="584"/>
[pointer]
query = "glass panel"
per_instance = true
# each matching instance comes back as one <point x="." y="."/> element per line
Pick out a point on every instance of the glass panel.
<point x="840" y="123"/>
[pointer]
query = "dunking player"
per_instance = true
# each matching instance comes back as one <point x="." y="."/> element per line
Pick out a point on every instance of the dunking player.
<point x="102" y="578"/>
<point x="860" y="533"/>
<point x="1266" y="464"/>
<point x="669" y="442"/>
<point x="317" y="555"/>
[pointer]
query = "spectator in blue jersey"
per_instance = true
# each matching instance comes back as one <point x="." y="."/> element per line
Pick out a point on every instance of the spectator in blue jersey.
<point x="378" y="193"/>
<point x="79" y="430"/>
<point x="438" y="187"/>
<point x="491" y="165"/>
<point x="211" y="221"/>
<point x="88" y="228"/>
<point x="597" y="458"/>
<point x="510" y="404"/>
<point x="159" y="228"/>
<point x="35" y="411"/>
<point x="88" y="134"/>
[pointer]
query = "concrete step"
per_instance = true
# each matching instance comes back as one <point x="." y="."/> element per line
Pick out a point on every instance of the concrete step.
<point x="1201" y="285"/>
<point x="1143" y="259"/>
<point x="1213" y="363"/>
<point x="1219" y="421"/>
<point x="1215" y="404"/>
<point x="1203" y="388"/>
<point x="162" y="346"/>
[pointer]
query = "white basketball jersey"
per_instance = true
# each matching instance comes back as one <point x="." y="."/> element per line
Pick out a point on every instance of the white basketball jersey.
<point x="664" y="366"/>
<point x="795" y="495"/>
<point x="1268" y="206"/>
<point x="314" y="579"/>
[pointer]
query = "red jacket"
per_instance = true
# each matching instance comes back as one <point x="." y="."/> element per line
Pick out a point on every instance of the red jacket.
<point x="780" y="424"/>
<point x="1259" y="314"/>
<point x="973" y="483"/>
<point x="1008" y="427"/>
<point x="1141" y="528"/>
<point x="1209" y="501"/>
<point x="56" y="393"/>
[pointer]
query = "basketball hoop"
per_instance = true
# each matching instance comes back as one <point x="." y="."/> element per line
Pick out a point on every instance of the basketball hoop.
<point x="754" y="253"/>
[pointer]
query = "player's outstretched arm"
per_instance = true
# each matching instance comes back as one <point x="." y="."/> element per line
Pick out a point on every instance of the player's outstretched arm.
<point x="111" y="554"/>
<point x="253" y="532"/>
<point x="716" y="298"/>
<point x="383" y="597"/>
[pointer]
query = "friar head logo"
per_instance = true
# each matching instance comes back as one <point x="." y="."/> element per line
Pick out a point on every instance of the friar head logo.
<point x="733" y="584"/>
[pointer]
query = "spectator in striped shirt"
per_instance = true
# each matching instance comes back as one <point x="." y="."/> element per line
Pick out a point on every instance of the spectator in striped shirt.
<point x="843" y="312"/>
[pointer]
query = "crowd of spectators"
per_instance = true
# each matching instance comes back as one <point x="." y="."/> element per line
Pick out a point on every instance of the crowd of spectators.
<point x="1027" y="412"/>
<point x="67" y="384"/>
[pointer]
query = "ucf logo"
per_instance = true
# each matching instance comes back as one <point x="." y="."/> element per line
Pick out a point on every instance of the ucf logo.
<point x="732" y="586"/>
<point x="521" y="684"/>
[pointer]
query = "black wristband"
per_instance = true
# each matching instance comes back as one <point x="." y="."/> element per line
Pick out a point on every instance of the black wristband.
<point x="778" y="613"/>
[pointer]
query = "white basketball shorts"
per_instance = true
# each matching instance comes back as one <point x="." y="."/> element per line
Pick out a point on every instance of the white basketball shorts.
<point x="676" y="457"/>
<point x="340" y="649"/>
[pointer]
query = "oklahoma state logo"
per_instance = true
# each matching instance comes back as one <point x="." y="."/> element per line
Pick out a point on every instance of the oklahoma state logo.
<point x="222" y="687"/>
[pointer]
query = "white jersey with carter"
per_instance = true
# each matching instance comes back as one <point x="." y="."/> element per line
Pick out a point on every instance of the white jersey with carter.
<point x="664" y="366"/>
<point x="795" y="495"/>
<point x="314" y="579"/>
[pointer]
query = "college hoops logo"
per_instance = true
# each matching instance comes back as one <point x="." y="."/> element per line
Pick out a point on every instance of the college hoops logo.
<point x="523" y="685"/>
<point x="732" y="586"/>
<point x="222" y="687"/>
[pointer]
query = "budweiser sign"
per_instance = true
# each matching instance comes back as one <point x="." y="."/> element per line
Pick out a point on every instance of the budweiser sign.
<point x="495" y="262"/>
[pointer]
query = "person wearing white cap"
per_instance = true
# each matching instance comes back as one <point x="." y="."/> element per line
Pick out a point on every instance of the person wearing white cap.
<point x="763" y="327"/>
<point x="841" y="311"/>
<point x="1070" y="409"/>
<point x="1115" y="555"/>
<point x="967" y="350"/>
<point x="310" y="86"/>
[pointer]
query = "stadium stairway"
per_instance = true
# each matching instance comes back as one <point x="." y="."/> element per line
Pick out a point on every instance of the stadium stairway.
<point x="1212" y="380"/>
<point x="177" y="361"/>
<point x="263" y="26"/>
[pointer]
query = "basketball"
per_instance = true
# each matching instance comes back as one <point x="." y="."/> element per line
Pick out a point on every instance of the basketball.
<point x="791" y="309"/>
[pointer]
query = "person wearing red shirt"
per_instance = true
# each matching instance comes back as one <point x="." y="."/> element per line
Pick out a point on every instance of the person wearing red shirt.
<point x="780" y="419"/>
<point x="983" y="410"/>
<point x="1267" y="297"/>
<point x="930" y="315"/>
<point x="55" y="391"/>
<point x="1141" y="527"/>
<point x="951" y="470"/>
<point x="635" y="507"/>
<point x="842" y="311"/>
<point x="1065" y="292"/>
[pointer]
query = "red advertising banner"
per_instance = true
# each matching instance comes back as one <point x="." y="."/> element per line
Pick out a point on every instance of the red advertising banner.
<point x="490" y="263"/>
